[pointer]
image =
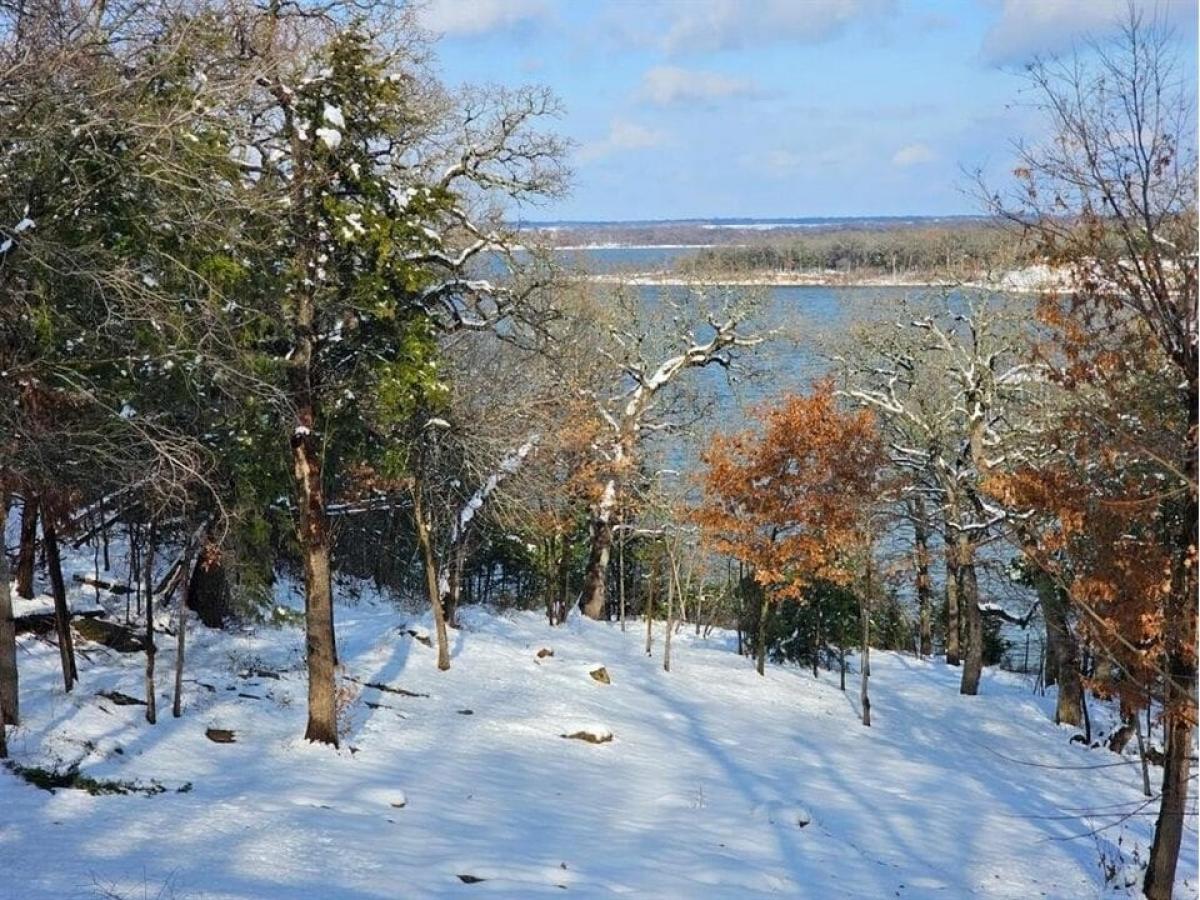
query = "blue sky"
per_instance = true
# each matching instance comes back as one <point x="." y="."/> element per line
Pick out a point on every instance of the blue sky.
<point x="773" y="108"/>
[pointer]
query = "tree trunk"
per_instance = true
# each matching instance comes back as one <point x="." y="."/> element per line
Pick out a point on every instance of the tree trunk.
<point x="621" y="576"/>
<point x="458" y="561"/>
<point x="924" y="585"/>
<point x="181" y="634"/>
<point x="62" y="614"/>
<point x="973" y="663"/>
<point x="148" y="580"/>
<point x="650" y="586"/>
<point x="593" y="602"/>
<point x="10" y="707"/>
<point x="671" y="584"/>
<point x="549" y="568"/>
<point x="864" y="695"/>
<point x="432" y="581"/>
<point x="816" y="656"/>
<point x="28" y="551"/>
<point x="207" y="590"/>
<point x="1141" y="744"/>
<point x="1062" y="652"/>
<point x="1168" y="829"/>
<point x="318" y="585"/>
<point x="952" y="581"/>
<point x="1050" y="650"/>
<point x="760" y="651"/>
<point x="564" y="579"/>
<point x="1180" y="627"/>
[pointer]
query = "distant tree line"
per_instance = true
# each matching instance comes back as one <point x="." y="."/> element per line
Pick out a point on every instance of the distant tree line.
<point x="960" y="251"/>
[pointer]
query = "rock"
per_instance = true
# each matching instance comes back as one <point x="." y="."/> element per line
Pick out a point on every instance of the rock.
<point x="591" y="735"/>
<point x="220" y="735"/>
<point x="418" y="636"/>
<point x="600" y="675"/>
<point x="400" y="801"/>
<point x="466" y="712"/>
<point x="544" y="652"/>
<point x="470" y="879"/>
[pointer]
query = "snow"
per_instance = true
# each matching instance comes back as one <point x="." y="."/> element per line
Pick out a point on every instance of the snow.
<point x="717" y="782"/>
<point x="508" y="466"/>
<point x="1030" y="279"/>
<point x="330" y="137"/>
<point x="333" y="115"/>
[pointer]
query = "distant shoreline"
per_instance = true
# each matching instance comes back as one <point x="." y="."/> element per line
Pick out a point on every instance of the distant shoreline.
<point x="777" y="279"/>
<point x="1016" y="282"/>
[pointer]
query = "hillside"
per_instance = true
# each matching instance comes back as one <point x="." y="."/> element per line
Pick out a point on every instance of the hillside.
<point x="716" y="783"/>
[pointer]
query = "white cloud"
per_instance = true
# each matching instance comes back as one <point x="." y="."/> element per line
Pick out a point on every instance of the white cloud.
<point x="471" y="18"/>
<point x="821" y="160"/>
<point x="671" y="85"/>
<point x="913" y="155"/>
<point x="1026" y="28"/>
<point x="708" y="25"/>
<point x="622" y="136"/>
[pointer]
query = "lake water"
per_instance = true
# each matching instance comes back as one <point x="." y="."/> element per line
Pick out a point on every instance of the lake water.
<point x="801" y="320"/>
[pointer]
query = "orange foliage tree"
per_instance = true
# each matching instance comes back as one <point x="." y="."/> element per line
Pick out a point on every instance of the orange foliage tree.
<point x="1110" y="201"/>
<point x="789" y="499"/>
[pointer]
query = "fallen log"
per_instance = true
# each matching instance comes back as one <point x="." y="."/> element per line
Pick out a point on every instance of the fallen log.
<point x="120" y="699"/>
<point x="110" y="634"/>
<point x="110" y="586"/>
<point x="386" y="688"/>
<point x="43" y="623"/>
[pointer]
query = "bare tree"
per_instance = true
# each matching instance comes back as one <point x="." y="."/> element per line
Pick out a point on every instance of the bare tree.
<point x="646" y="364"/>
<point x="954" y="391"/>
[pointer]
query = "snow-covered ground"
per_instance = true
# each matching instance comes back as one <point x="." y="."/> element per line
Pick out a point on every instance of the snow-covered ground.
<point x="716" y="783"/>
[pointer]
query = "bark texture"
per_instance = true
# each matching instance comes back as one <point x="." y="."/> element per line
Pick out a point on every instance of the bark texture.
<point x="10" y="708"/>
<point x="594" y="601"/>
<point x="208" y="593"/>
<point x="28" y="549"/>
<point x="1062" y="652"/>
<point x="318" y="586"/>
<point x="953" y="652"/>
<point x="62" y="613"/>
<point x="151" y="650"/>
<point x="969" y="600"/>
<point x="432" y="580"/>
<point x="924" y="584"/>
